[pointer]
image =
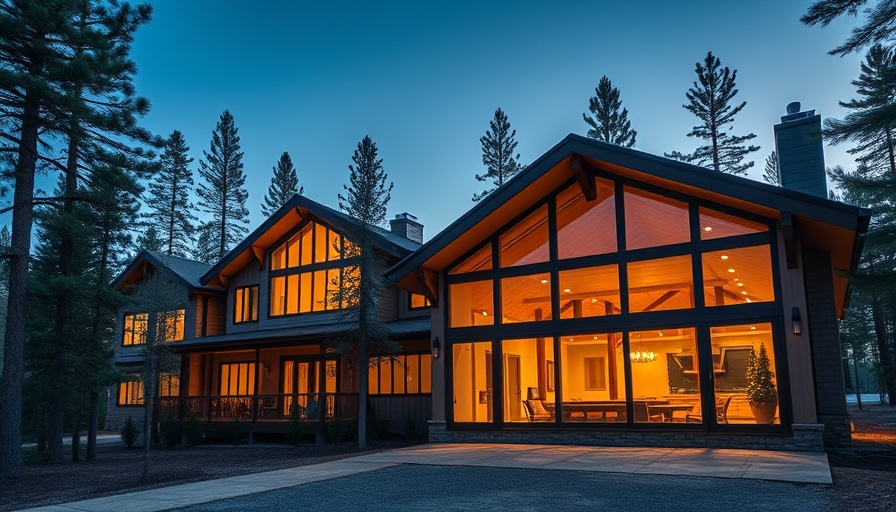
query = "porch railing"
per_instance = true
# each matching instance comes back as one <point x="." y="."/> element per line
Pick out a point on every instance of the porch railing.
<point x="308" y="407"/>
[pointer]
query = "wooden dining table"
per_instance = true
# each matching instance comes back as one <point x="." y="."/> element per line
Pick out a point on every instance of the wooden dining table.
<point x="668" y="409"/>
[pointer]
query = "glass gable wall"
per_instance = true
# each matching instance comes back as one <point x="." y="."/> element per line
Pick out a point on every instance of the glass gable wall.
<point x="642" y="308"/>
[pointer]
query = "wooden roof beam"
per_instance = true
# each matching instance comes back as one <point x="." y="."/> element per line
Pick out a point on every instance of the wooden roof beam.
<point x="586" y="181"/>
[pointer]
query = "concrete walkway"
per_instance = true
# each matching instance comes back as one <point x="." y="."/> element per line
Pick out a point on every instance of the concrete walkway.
<point x="741" y="464"/>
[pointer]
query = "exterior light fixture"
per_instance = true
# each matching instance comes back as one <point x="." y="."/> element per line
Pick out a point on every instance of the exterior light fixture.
<point x="797" y="321"/>
<point x="436" y="347"/>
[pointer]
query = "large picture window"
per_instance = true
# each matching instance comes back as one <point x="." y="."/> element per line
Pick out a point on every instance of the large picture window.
<point x="307" y="272"/>
<point x="169" y="327"/>
<point x="135" y="327"/>
<point x="644" y="274"/>
<point x="131" y="392"/>
<point x="401" y="375"/>
<point x="237" y="379"/>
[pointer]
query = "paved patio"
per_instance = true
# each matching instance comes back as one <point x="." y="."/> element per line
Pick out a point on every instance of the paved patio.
<point x="797" y="467"/>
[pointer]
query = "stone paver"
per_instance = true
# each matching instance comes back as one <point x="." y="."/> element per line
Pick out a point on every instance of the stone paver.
<point x="696" y="462"/>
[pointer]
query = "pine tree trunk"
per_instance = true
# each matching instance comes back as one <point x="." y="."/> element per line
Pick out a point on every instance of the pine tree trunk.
<point x="76" y="436"/>
<point x="14" y="341"/>
<point x="55" y="431"/>
<point x="883" y="347"/>
<point x="92" y="424"/>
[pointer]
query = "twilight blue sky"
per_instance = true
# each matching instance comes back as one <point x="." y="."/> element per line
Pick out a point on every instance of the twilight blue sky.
<point x="423" y="79"/>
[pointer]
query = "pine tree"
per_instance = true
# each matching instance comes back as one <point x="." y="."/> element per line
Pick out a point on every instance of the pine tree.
<point x="284" y="185"/>
<point x="771" y="174"/>
<point x="609" y="124"/>
<point x="498" y="145"/>
<point x="222" y="193"/>
<point x="150" y="240"/>
<point x="67" y="76"/>
<point x="880" y="24"/>
<point x="365" y="200"/>
<point x="710" y="100"/>
<point x="207" y="247"/>
<point x="169" y="198"/>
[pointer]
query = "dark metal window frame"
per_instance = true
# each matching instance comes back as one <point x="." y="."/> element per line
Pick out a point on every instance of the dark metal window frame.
<point x="252" y="304"/>
<point x="403" y="365"/>
<point x="700" y="317"/>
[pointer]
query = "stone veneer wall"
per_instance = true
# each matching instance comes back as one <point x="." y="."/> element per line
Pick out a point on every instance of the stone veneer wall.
<point x="805" y="438"/>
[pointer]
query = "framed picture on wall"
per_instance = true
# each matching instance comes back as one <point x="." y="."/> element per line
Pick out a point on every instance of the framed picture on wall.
<point x="550" y="372"/>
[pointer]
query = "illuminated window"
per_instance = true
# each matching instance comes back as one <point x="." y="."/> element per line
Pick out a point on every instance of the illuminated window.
<point x="400" y="375"/>
<point x="660" y="284"/>
<point x="312" y="290"/>
<point x="652" y="220"/>
<point x="471" y="304"/>
<point x="589" y="292"/>
<point x="472" y="381"/>
<point x="237" y="379"/>
<point x="170" y="325"/>
<point x="480" y="260"/>
<point x="169" y="384"/>
<point x="738" y="276"/>
<point x="526" y="367"/>
<point x="527" y="241"/>
<point x="593" y="378"/>
<point x="585" y="228"/>
<point x="419" y="301"/>
<point x="744" y="370"/>
<point x="665" y="375"/>
<point x="715" y="224"/>
<point x="526" y="298"/>
<point x="245" y="304"/>
<point x="135" y="327"/>
<point x="131" y="392"/>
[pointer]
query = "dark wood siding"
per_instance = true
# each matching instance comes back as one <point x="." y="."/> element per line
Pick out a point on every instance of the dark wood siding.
<point x="393" y="411"/>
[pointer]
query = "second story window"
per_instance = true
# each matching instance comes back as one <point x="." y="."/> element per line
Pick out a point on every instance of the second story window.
<point x="245" y="304"/>
<point x="169" y="327"/>
<point x="307" y="271"/>
<point x="135" y="329"/>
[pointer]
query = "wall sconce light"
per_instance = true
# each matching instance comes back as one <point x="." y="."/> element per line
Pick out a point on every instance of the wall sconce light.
<point x="266" y="368"/>
<point x="436" y="347"/>
<point x="797" y="322"/>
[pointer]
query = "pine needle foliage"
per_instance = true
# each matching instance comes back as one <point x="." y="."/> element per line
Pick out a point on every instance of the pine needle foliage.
<point x="284" y="185"/>
<point x="609" y="123"/>
<point x="222" y="193"/>
<point x="710" y="99"/>
<point x="879" y="26"/>
<point x="171" y="212"/>
<point x="498" y="146"/>
<point x="771" y="175"/>
<point x="760" y="378"/>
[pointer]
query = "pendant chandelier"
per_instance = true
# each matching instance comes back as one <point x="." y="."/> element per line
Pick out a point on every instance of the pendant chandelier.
<point x="641" y="354"/>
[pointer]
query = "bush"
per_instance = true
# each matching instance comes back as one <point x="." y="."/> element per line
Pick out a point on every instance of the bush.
<point x="295" y="428"/>
<point x="192" y="430"/>
<point x="129" y="433"/>
<point x="236" y="433"/>
<point x="170" y="431"/>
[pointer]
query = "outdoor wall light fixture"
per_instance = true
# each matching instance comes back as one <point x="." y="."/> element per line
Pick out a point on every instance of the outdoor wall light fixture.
<point x="797" y="321"/>
<point x="436" y="346"/>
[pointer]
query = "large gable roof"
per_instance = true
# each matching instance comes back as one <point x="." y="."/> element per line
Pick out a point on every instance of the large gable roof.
<point x="296" y="210"/>
<point x="835" y="225"/>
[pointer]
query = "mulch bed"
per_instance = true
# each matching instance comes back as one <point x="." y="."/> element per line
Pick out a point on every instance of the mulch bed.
<point x="864" y="480"/>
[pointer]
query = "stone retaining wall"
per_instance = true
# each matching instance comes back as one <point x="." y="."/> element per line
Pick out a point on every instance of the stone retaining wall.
<point x="805" y="438"/>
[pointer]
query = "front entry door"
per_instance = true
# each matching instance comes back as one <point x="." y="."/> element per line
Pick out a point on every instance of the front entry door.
<point x="302" y="380"/>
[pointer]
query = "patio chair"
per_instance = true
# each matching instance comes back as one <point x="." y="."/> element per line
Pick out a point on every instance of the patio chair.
<point x="722" y="404"/>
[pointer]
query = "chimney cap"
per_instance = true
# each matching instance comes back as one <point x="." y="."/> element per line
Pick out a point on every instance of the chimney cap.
<point x="793" y="107"/>
<point x="405" y="215"/>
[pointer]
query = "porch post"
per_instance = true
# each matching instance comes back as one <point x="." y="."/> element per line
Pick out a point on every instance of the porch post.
<point x="184" y="391"/>
<point x="258" y="377"/>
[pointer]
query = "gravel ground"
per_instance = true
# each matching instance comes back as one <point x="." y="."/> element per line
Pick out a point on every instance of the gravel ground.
<point x="863" y="481"/>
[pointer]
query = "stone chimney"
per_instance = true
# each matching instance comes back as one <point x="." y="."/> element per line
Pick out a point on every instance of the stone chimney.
<point x="800" y="155"/>
<point x="406" y="225"/>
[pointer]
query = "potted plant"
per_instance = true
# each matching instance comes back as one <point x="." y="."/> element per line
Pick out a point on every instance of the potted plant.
<point x="761" y="391"/>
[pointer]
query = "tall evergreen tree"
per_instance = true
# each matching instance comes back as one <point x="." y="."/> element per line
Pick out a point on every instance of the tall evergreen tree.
<point x="171" y="212"/>
<point x="609" y="124"/>
<point x="498" y="145"/>
<point x="222" y="193"/>
<point x="67" y="77"/>
<point x="365" y="200"/>
<point x="771" y="174"/>
<point x="150" y="239"/>
<point x="710" y="100"/>
<point x="207" y="246"/>
<point x="284" y="185"/>
<point x="879" y="26"/>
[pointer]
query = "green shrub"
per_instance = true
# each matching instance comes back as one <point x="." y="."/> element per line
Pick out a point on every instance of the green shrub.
<point x="192" y="430"/>
<point x="129" y="433"/>
<point x="295" y="428"/>
<point x="170" y="431"/>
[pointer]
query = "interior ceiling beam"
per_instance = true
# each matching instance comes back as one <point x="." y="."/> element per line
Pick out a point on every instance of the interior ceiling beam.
<point x="584" y="177"/>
